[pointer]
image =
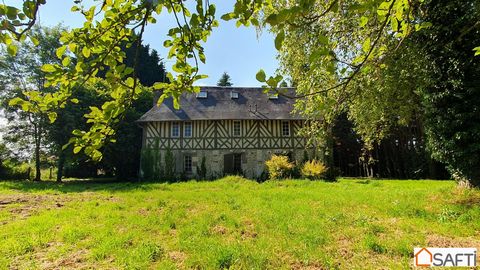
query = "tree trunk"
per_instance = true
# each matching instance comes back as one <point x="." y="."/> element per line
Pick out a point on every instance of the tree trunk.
<point x="37" y="153"/>
<point x="61" y="162"/>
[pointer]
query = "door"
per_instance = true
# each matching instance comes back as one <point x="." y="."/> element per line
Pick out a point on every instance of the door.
<point x="232" y="164"/>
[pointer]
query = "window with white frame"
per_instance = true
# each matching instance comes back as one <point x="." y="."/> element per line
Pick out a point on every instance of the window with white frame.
<point x="202" y="94"/>
<point x="187" y="129"/>
<point x="175" y="130"/>
<point x="236" y="128"/>
<point x="187" y="163"/>
<point x="286" y="128"/>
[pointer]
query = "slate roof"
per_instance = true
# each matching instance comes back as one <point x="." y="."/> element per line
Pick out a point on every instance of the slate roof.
<point x="252" y="104"/>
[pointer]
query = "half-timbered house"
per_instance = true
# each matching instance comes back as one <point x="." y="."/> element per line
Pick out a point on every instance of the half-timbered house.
<point x="235" y="129"/>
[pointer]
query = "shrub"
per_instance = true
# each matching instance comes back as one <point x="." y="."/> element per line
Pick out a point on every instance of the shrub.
<point x="16" y="171"/>
<point x="169" y="166"/>
<point x="202" y="170"/>
<point x="278" y="166"/>
<point x="313" y="169"/>
<point x="147" y="164"/>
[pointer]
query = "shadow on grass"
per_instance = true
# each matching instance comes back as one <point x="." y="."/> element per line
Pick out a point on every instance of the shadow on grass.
<point x="77" y="185"/>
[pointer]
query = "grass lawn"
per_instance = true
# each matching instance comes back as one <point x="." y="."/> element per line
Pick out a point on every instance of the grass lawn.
<point x="232" y="222"/>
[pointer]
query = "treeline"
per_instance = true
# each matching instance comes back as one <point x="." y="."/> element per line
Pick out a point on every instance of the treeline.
<point x="403" y="154"/>
<point x="30" y="138"/>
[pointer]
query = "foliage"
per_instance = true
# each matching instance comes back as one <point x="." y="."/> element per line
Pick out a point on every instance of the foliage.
<point x="16" y="171"/>
<point x="86" y="50"/>
<point x="202" y="170"/>
<point x="23" y="78"/>
<point x="305" y="156"/>
<point x="278" y="166"/>
<point x="147" y="171"/>
<point x="451" y="96"/>
<point x="313" y="169"/>
<point x="225" y="80"/>
<point x="170" y="165"/>
<point x="230" y="221"/>
<point x="335" y="52"/>
<point x="152" y="167"/>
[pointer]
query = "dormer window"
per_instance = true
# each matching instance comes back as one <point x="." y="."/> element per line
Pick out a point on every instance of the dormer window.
<point x="234" y="95"/>
<point x="202" y="94"/>
<point x="273" y="96"/>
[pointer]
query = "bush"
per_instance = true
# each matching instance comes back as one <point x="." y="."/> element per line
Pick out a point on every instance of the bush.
<point x="169" y="166"/>
<point x="16" y="171"/>
<point x="202" y="170"/>
<point x="147" y="164"/>
<point x="278" y="166"/>
<point x="313" y="169"/>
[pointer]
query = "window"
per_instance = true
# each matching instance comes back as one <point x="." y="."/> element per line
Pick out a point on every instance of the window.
<point x="175" y="130"/>
<point x="234" y="95"/>
<point x="187" y="164"/>
<point x="187" y="129"/>
<point x="272" y="96"/>
<point x="286" y="128"/>
<point x="202" y="94"/>
<point x="236" y="128"/>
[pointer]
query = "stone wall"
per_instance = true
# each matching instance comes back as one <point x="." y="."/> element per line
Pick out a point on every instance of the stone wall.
<point x="253" y="160"/>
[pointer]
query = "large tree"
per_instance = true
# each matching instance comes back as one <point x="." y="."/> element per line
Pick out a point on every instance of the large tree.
<point x="95" y="45"/>
<point x="27" y="124"/>
<point x="451" y="94"/>
<point x="334" y="51"/>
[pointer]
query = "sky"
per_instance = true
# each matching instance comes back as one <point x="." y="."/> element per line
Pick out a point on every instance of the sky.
<point x="240" y="52"/>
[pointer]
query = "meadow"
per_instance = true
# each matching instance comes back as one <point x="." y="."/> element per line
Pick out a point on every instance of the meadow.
<point x="232" y="223"/>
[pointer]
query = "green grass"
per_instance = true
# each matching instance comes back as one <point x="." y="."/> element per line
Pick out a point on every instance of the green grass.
<point x="232" y="223"/>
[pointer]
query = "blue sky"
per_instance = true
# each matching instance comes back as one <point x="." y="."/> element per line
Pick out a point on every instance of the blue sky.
<point x="238" y="51"/>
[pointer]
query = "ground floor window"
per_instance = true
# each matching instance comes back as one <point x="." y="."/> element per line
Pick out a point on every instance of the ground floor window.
<point x="187" y="164"/>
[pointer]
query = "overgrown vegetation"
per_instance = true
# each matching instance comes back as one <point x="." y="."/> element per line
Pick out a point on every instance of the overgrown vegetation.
<point x="313" y="169"/>
<point x="279" y="166"/>
<point x="232" y="222"/>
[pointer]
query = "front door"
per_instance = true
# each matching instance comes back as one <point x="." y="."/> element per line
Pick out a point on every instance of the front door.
<point x="232" y="164"/>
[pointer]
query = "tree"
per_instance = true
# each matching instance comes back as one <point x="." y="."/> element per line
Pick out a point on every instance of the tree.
<point x="70" y="118"/>
<point x="451" y="96"/>
<point x="128" y="135"/>
<point x="325" y="46"/>
<point x="23" y="78"/>
<point x="225" y="80"/>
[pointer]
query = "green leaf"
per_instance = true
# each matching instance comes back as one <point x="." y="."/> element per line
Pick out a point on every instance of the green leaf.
<point x="228" y="16"/>
<point x="48" y="68"/>
<point x="12" y="49"/>
<point x="77" y="149"/>
<point x="279" y="40"/>
<point x="272" y="19"/>
<point x="77" y="132"/>
<point x="261" y="77"/>
<point x="176" y="104"/>
<point x="363" y="21"/>
<point x="477" y="50"/>
<point x="34" y="41"/>
<point x="86" y="52"/>
<point x="52" y="116"/>
<point x="60" y="51"/>
<point x="366" y="45"/>
<point x="74" y="100"/>
<point x="15" y="101"/>
<point x="66" y="61"/>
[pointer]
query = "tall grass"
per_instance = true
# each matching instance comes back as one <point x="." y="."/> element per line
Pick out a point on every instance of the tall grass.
<point x="232" y="223"/>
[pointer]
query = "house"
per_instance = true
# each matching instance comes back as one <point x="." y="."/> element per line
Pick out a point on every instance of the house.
<point x="234" y="129"/>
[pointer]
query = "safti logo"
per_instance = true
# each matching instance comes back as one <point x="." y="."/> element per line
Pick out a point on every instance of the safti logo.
<point x="445" y="257"/>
